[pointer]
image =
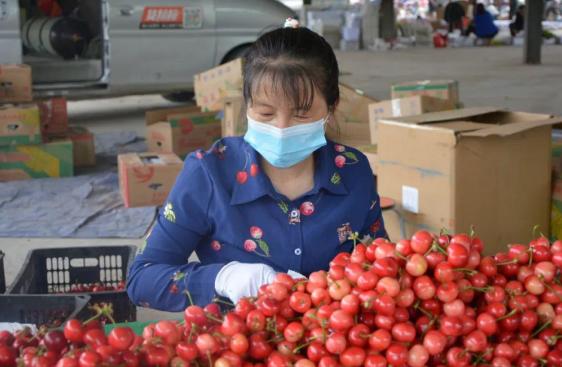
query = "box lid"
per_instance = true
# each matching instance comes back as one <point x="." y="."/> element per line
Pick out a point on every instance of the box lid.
<point x="423" y="84"/>
<point x="442" y="116"/>
<point x="470" y="122"/>
<point x="150" y="159"/>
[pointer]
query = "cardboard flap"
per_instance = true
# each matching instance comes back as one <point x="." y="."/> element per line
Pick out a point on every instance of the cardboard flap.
<point x="154" y="116"/>
<point x="443" y="116"/>
<point x="513" y="128"/>
<point x="461" y="126"/>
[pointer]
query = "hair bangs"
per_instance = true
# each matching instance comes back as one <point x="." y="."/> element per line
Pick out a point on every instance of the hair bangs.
<point x="286" y="80"/>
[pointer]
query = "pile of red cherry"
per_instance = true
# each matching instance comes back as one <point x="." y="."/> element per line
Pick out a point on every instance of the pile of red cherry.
<point x="427" y="301"/>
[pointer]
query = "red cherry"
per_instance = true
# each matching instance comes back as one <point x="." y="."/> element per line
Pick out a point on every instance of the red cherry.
<point x="242" y="177"/>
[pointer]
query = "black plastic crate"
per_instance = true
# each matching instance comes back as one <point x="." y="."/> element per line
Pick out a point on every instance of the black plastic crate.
<point x="2" y="275"/>
<point x="48" y="310"/>
<point x="55" y="270"/>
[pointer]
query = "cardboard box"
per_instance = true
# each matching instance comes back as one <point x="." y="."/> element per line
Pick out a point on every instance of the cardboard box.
<point x="482" y="166"/>
<point x="184" y="133"/>
<point x="556" y="209"/>
<point x="162" y="114"/>
<point x="351" y="126"/>
<point x="84" y="150"/>
<point x="19" y="125"/>
<point x="557" y="152"/>
<point x="146" y="179"/>
<point x="54" y="116"/>
<point x="213" y="86"/>
<point x="444" y="89"/>
<point x="15" y="83"/>
<point x="401" y="107"/>
<point x="83" y="145"/>
<point x="234" y="121"/>
<point x="370" y="152"/>
<point x="20" y="162"/>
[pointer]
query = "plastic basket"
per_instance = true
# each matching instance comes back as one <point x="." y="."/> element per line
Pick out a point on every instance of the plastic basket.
<point x="40" y="310"/>
<point x="55" y="270"/>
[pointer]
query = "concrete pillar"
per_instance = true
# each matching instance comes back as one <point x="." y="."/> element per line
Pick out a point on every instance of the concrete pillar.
<point x="387" y="20"/>
<point x="370" y="22"/>
<point x="533" y="31"/>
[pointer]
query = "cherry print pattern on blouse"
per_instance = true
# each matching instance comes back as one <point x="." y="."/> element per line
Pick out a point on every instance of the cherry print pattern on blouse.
<point x="176" y="277"/>
<point x="295" y="216"/>
<point x="256" y="244"/>
<point x="219" y="150"/>
<point x="374" y="228"/>
<point x="216" y="245"/>
<point x="336" y="178"/>
<point x="344" y="232"/>
<point x="307" y="208"/>
<point x="169" y="213"/>
<point x="200" y="154"/>
<point x="251" y="171"/>
<point x="344" y="158"/>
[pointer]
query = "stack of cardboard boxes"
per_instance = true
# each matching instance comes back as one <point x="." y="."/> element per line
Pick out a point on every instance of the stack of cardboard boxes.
<point x="35" y="140"/>
<point x="456" y="168"/>
<point x="449" y="168"/>
<point x="173" y="133"/>
<point x="446" y="168"/>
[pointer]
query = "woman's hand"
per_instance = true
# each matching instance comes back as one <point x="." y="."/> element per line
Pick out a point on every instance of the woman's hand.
<point x="238" y="280"/>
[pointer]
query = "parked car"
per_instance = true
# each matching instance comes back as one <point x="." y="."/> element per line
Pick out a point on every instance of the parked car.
<point x="85" y="48"/>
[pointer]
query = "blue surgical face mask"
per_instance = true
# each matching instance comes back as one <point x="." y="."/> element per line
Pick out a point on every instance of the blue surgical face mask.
<point x="286" y="147"/>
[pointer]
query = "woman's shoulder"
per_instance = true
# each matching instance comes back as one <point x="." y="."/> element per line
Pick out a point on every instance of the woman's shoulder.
<point x="225" y="154"/>
<point x="349" y="160"/>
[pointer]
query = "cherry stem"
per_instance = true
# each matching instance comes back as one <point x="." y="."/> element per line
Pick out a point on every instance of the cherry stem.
<point x="277" y="338"/>
<point x="436" y="247"/>
<point x="472" y="231"/>
<point x="400" y="256"/>
<point x="511" y="313"/>
<point x="429" y="326"/>
<point x="189" y="297"/>
<point x="190" y="336"/>
<point x="543" y="326"/>
<point x="104" y="310"/>
<point x="553" y="291"/>
<point x="218" y="300"/>
<point x="212" y="317"/>
<point x="310" y="340"/>
<point x="508" y="262"/>
<point x="479" y="289"/>
<point x="535" y="230"/>
<point x="466" y="270"/>
<point x="421" y="309"/>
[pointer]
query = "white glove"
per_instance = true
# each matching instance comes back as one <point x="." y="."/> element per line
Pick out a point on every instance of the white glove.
<point x="238" y="280"/>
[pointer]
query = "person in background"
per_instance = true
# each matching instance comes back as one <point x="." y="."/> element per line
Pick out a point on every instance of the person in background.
<point x="483" y="25"/>
<point x="519" y="23"/>
<point x="454" y="14"/>
<point x="282" y="198"/>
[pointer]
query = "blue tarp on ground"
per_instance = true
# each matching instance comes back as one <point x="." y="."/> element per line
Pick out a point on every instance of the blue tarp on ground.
<point x="88" y="205"/>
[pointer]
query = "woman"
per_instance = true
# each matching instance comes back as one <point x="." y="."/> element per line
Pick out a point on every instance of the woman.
<point x="280" y="199"/>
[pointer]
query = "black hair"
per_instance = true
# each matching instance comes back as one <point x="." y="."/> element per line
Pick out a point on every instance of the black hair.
<point x="480" y="9"/>
<point x="295" y="60"/>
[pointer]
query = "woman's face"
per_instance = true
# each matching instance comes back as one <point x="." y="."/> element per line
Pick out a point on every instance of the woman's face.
<point x="272" y="107"/>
